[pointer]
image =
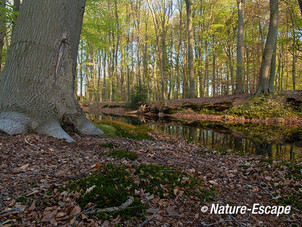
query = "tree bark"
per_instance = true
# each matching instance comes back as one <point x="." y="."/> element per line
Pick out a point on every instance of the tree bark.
<point x="273" y="69"/>
<point x="239" y="74"/>
<point x="2" y="30"/>
<point x="37" y="84"/>
<point x="300" y="5"/>
<point x="294" y="51"/>
<point x="190" y="49"/>
<point x="263" y="86"/>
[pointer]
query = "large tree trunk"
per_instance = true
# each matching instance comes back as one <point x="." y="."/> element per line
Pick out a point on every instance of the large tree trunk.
<point x="190" y="48"/>
<point x="273" y="69"/>
<point x="2" y="30"/>
<point x="37" y="84"/>
<point x="263" y="86"/>
<point x="239" y="74"/>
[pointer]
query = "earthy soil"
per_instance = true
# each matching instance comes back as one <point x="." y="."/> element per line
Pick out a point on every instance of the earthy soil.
<point x="35" y="166"/>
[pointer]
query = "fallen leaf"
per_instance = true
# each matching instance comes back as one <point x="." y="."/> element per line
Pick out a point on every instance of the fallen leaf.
<point x="175" y="190"/>
<point x="268" y="178"/>
<point x="61" y="214"/>
<point x="255" y="189"/>
<point x="213" y="182"/>
<point x="76" y="210"/>
<point x="171" y="210"/>
<point x="12" y="203"/>
<point x="180" y="193"/>
<point x="32" y="206"/>
<point x="49" y="216"/>
<point x="33" y="193"/>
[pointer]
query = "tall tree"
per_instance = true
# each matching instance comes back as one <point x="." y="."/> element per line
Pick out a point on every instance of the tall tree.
<point x="300" y="5"/>
<point x="263" y="86"/>
<point x="16" y="9"/>
<point x="190" y="48"/>
<point x="2" y="30"/>
<point x="37" y="84"/>
<point x="240" y="69"/>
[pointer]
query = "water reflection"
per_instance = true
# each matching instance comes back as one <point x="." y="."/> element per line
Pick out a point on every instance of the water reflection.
<point x="216" y="139"/>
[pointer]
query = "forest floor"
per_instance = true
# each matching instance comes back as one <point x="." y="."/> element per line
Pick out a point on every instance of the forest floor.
<point x="283" y="108"/>
<point x="167" y="180"/>
<point x="35" y="171"/>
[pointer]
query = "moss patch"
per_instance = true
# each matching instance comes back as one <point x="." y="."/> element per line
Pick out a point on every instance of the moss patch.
<point x="123" y="154"/>
<point x="269" y="106"/>
<point x="108" y="145"/>
<point x="107" y="129"/>
<point x="122" y="129"/>
<point x="114" y="184"/>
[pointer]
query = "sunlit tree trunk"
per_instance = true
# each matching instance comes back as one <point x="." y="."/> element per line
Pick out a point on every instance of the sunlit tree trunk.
<point x="2" y="31"/>
<point x="240" y="69"/>
<point x="37" y="84"/>
<point x="294" y="51"/>
<point x="190" y="49"/>
<point x="273" y="69"/>
<point x="263" y="86"/>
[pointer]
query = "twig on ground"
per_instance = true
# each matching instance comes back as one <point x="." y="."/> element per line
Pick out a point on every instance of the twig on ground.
<point x="149" y="219"/>
<point x="75" y="220"/>
<point x="162" y="157"/>
<point x="215" y="223"/>
<point x="111" y="209"/>
<point x="228" y="220"/>
<point x="26" y="141"/>
<point x="236" y="220"/>
<point x="91" y="210"/>
<point x="172" y="215"/>
<point x="154" y="212"/>
<point x="266" y="191"/>
<point x="12" y="210"/>
<point x="133" y="162"/>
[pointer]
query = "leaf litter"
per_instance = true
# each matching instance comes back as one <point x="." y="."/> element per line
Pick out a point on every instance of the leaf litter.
<point x="34" y="167"/>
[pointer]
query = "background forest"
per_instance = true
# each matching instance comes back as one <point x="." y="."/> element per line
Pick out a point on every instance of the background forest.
<point x="134" y="45"/>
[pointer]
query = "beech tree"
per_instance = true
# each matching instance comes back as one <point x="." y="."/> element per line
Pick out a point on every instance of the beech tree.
<point x="264" y="77"/>
<point x="37" y="83"/>
<point x="190" y="49"/>
<point x="240" y="67"/>
<point x="2" y="28"/>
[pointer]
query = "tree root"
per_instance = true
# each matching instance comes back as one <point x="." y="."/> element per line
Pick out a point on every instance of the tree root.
<point x="87" y="128"/>
<point x="55" y="130"/>
<point x="13" y="123"/>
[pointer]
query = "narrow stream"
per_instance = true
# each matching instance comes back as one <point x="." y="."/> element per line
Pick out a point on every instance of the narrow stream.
<point x="216" y="138"/>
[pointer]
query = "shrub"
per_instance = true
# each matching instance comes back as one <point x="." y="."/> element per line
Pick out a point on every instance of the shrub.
<point x="139" y="96"/>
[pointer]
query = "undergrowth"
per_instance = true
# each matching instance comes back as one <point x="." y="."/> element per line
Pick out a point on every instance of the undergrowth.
<point x="266" y="106"/>
<point x="123" y="154"/>
<point x="114" y="184"/>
